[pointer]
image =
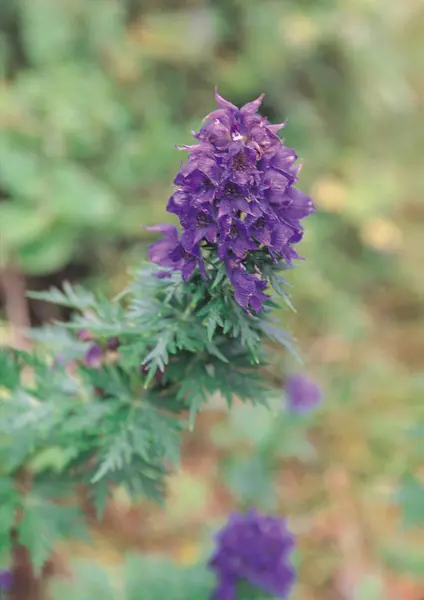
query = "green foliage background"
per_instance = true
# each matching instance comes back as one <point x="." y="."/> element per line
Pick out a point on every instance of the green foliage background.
<point x="95" y="96"/>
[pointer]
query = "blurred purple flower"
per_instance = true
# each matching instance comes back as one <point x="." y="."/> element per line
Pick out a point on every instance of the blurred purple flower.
<point x="235" y="195"/>
<point x="303" y="394"/>
<point x="253" y="549"/>
<point x="84" y="335"/>
<point x="113" y="343"/>
<point x="5" y="580"/>
<point x="93" y="356"/>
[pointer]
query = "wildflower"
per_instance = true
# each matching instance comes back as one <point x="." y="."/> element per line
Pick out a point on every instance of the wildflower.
<point x="254" y="550"/>
<point x="5" y="580"/>
<point x="85" y="336"/>
<point x="159" y="251"/>
<point x="303" y="395"/>
<point x="248" y="288"/>
<point x="113" y="343"/>
<point x="93" y="356"/>
<point x="169" y="252"/>
<point x="235" y="196"/>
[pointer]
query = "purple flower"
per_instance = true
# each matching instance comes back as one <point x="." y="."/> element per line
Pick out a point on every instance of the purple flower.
<point x="303" y="395"/>
<point x="198" y="225"/>
<point x="234" y="238"/>
<point x="85" y="336"/>
<point x="186" y="261"/>
<point x="248" y="288"/>
<point x="113" y="343"/>
<point x="235" y="196"/>
<point x="160" y="251"/>
<point x="253" y="549"/>
<point x="169" y="252"/>
<point x="93" y="356"/>
<point x="5" y="580"/>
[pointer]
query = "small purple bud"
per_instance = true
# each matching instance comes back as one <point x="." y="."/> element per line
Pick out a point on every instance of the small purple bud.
<point x="84" y="335"/>
<point x="303" y="394"/>
<point x="5" y="580"/>
<point x="113" y="343"/>
<point x="93" y="356"/>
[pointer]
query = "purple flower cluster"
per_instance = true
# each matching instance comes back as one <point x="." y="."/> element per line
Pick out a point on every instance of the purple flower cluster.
<point x="235" y="195"/>
<point x="5" y="580"/>
<point x="253" y="549"/>
<point x="303" y="395"/>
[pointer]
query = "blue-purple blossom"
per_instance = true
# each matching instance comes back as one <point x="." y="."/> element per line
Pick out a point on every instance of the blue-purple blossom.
<point x="254" y="550"/>
<point x="5" y="580"/>
<point x="113" y="343"/>
<point x="303" y="394"/>
<point x="93" y="356"/>
<point x="85" y="336"/>
<point x="248" y="288"/>
<point x="169" y="252"/>
<point x="235" y="196"/>
<point x="96" y="352"/>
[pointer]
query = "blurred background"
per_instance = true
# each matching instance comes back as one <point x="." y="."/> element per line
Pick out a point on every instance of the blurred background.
<point x="94" y="97"/>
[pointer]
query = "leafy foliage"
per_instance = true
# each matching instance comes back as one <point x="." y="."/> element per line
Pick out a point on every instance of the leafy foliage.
<point x="140" y="578"/>
<point x="117" y="423"/>
<point x="411" y="500"/>
<point x="44" y="523"/>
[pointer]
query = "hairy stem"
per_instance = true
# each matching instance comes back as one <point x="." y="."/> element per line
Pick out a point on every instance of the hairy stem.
<point x="14" y="291"/>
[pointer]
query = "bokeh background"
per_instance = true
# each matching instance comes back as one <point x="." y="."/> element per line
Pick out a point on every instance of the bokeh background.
<point x="94" y="97"/>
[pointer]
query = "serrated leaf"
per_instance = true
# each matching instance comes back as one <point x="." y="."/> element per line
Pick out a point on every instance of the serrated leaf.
<point x="219" y="277"/>
<point x="10" y="371"/>
<point x="72" y="297"/>
<point x="43" y="524"/>
<point x="276" y="334"/>
<point x="117" y="455"/>
<point x="9" y="504"/>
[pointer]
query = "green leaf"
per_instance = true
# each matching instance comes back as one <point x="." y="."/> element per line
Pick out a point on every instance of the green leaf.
<point x="48" y="31"/>
<point x="77" y="197"/>
<point x="118" y="453"/>
<point x="276" y="334"/>
<point x="144" y="580"/>
<point x="90" y="581"/>
<point x="159" y="356"/>
<point x="53" y="458"/>
<point x="404" y="558"/>
<point x="21" y="225"/>
<point x="252" y="481"/>
<point x="43" y="524"/>
<point x="73" y="297"/>
<point x="49" y="252"/>
<point x="10" y="371"/>
<point x="411" y="499"/>
<point x="9" y="504"/>
<point x="99" y="495"/>
<point x="220" y="276"/>
<point x="20" y="173"/>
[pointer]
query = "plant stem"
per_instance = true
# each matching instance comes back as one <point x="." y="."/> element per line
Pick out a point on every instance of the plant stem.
<point x="25" y="585"/>
<point x="14" y="290"/>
